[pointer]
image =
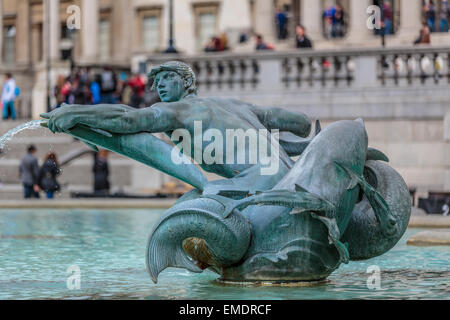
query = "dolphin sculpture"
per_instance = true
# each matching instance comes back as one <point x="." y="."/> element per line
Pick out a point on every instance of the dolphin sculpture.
<point x="335" y="205"/>
<point x="339" y="201"/>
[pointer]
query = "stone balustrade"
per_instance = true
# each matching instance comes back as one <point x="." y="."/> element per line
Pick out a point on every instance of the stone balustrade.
<point x="218" y="73"/>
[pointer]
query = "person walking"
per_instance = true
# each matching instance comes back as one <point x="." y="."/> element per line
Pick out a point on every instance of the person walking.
<point x="47" y="175"/>
<point x="29" y="174"/>
<point x="8" y="98"/>
<point x="101" y="173"/>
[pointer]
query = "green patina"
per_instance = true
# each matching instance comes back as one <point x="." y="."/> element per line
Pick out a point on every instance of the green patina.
<point x="338" y="202"/>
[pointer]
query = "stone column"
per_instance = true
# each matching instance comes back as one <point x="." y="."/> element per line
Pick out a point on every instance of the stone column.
<point x="410" y="20"/>
<point x="228" y="12"/>
<point x="311" y="18"/>
<point x="23" y="32"/>
<point x="121" y="20"/>
<point x="264" y="15"/>
<point x="53" y="30"/>
<point x="358" y="30"/>
<point x="89" y="30"/>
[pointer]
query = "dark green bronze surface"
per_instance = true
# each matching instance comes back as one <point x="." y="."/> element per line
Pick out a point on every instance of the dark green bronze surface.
<point x="338" y="202"/>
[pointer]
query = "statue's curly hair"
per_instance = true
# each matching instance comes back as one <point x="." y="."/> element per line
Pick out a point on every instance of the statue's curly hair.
<point x="183" y="69"/>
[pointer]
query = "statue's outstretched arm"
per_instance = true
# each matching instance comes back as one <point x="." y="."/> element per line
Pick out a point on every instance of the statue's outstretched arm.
<point x="277" y="118"/>
<point x="112" y="118"/>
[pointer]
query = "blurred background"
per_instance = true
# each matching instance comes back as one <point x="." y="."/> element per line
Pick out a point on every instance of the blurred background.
<point x="385" y="61"/>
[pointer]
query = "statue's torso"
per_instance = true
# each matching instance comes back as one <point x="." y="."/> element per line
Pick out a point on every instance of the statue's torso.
<point x="222" y="115"/>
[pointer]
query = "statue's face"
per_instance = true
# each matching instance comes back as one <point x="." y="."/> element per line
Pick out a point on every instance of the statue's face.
<point x="170" y="86"/>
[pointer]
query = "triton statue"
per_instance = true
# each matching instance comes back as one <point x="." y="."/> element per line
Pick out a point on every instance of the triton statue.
<point x="338" y="202"/>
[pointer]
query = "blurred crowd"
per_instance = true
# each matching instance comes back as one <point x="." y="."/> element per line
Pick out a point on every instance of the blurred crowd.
<point x="334" y="23"/>
<point x="436" y="19"/>
<point x="86" y="87"/>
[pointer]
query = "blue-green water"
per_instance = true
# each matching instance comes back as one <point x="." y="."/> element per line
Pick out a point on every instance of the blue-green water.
<point x="37" y="247"/>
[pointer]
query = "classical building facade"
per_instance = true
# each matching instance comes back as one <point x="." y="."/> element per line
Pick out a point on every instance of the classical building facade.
<point x="402" y="92"/>
<point x="126" y="32"/>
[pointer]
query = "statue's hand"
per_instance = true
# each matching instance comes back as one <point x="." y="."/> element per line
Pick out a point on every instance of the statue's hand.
<point x="61" y="119"/>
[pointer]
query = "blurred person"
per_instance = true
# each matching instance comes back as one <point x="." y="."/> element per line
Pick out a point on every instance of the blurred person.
<point x="127" y="93"/>
<point x="387" y="12"/>
<point x="80" y="90"/>
<point x="95" y="92"/>
<point x="29" y="174"/>
<point x="108" y="85"/>
<point x="65" y="89"/>
<point x="424" y="37"/>
<point x="57" y="91"/>
<point x="261" y="44"/>
<point x="213" y="45"/>
<point x="281" y="21"/>
<point x="430" y="15"/>
<point x="328" y="20"/>
<point x="9" y="97"/>
<point x="302" y="41"/>
<point x="338" y="22"/>
<point x="47" y="175"/>
<point x="243" y="36"/>
<point x="444" y="15"/>
<point x="223" y="41"/>
<point x="101" y="173"/>
<point x="138" y="90"/>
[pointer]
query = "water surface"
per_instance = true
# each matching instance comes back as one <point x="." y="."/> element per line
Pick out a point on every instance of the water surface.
<point x="37" y="247"/>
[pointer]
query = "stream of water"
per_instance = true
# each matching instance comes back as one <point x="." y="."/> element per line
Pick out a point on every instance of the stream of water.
<point x="26" y="126"/>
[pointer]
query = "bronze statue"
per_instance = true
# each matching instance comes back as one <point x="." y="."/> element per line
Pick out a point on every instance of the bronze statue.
<point x="338" y="202"/>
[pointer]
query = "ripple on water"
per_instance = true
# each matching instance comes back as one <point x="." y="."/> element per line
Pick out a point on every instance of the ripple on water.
<point x="38" y="246"/>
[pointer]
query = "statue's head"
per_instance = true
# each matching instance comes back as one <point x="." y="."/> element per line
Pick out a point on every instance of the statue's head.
<point x="173" y="80"/>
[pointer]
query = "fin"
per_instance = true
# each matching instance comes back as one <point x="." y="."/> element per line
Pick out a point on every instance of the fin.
<point x="300" y="202"/>
<point x="355" y="179"/>
<point x="318" y="128"/>
<point x="92" y="146"/>
<point x="299" y="210"/>
<point x="377" y="202"/>
<point x="333" y="236"/>
<point x="374" y="154"/>
<point x="299" y="188"/>
<point x="102" y="132"/>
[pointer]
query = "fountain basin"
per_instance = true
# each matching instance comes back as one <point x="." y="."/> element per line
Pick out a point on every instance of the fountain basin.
<point x="38" y="245"/>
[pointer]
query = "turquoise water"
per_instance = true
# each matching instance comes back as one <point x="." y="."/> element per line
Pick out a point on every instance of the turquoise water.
<point x="37" y="247"/>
